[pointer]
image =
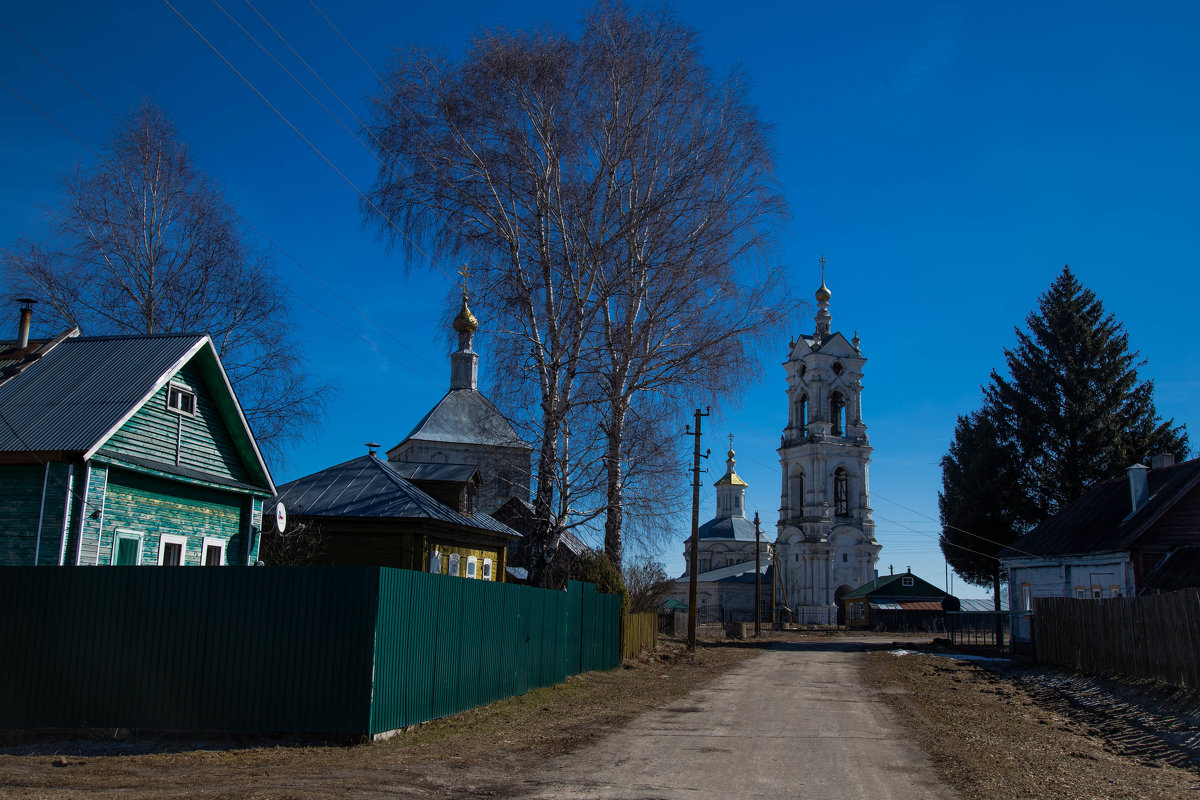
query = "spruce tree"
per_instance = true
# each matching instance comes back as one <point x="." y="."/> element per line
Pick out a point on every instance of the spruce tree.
<point x="1071" y="413"/>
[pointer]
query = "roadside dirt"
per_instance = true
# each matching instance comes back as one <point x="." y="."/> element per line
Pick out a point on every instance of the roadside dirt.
<point x="484" y="752"/>
<point x="1009" y="734"/>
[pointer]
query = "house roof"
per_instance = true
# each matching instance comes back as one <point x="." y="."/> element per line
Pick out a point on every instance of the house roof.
<point x="447" y="473"/>
<point x="737" y="529"/>
<point x="84" y="388"/>
<point x="520" y="512"/>
<point x="368" y="487"/>
<point x="1179" y="569"/>
<point x="1101" y="521"/>
<point x="892" y="586"/>
<point x="465" y="416"/>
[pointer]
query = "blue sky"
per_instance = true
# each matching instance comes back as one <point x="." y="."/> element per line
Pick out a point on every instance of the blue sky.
<point x="947" y="159"/>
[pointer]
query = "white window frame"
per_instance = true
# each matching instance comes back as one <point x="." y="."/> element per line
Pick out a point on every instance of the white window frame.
<point x="435" y="562"/>
<point x="906" y="580"/>
<point x="210" y="541"/>
<point x="172" y="388"/>
<point x="1026" y="597"/>
<point x="472" y="567"/>
<point x="452" y="569"/>
<point x="170" y="538"/>
<point x="486" y="573"/>
<point x="126" y="533"/>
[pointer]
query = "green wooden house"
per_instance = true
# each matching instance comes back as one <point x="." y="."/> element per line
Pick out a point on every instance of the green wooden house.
<point x="125" y="450"/>
<point x="900" y="602"/>
<point x="371" y="512"/>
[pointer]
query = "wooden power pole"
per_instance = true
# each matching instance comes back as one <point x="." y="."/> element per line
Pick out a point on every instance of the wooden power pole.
<point x="757" y="582"/>
<point x="694" y="556"/>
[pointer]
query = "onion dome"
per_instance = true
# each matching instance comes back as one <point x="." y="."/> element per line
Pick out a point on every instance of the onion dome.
<point x="823" y="294"/>
<point x="465" y="322"/>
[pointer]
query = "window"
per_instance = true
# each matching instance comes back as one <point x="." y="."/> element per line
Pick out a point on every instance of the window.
<point x="1114" y="591"/>
<point x="802" y="411"/>
<point x="453" y="571"/>
<point x="845" y="558"/>
<point x="837" y="368"/>
<point x="1026" y="597"/>
<point x="171" y="550"/>
<point x="471" y="566"/>
<point x="181" y="400"/>
<point x="736" y="502"/>
<point x="127" y="548"/>
<point x="487" y="569"/>
<point x="214" y="552"/>
<point x="906" y="580"/>
<point x="841" y="492"/>
<point x="1079" y="593"/>
<point x="435" y="562"/>
<point x="1097" y="593"/>
<point x="837" y="414"/>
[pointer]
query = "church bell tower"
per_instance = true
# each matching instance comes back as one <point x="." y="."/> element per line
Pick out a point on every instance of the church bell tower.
<point x="826" y="543"/>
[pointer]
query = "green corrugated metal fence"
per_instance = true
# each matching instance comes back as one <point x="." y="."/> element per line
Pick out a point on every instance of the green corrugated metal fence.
<point x="337" y="650"/>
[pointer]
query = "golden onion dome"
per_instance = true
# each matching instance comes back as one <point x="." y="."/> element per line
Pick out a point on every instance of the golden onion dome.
<point x="823" y="294"/>
<point x="465" y="322"/>
<point x="731" y="454"/>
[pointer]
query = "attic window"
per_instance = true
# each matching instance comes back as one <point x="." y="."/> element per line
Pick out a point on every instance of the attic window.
<point x="906" y="581"/>
<point x="181" y="400"/>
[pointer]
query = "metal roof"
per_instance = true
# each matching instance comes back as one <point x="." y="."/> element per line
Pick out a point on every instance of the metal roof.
<point x="368" y="487"/>
<point x="892" y="587"/>
<point x="733" y="573"/>
<point x="1179" y="569"/>
<point x="975" y="605"/>
<point x="81" y="389"/>
<point x="737" y="529"/>
<point x="465" y="416"/>
<point x="1102" y="521"/>
<point x="421" y="471"/>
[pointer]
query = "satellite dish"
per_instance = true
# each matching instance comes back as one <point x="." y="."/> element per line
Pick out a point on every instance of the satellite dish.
<point x="280" y="517"/>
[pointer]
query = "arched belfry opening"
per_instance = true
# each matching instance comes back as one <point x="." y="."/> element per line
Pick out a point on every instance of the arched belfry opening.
<point x="837" y="414"/>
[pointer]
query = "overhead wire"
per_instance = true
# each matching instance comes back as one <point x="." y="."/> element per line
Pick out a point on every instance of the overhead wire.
<point x="438" y="370"/>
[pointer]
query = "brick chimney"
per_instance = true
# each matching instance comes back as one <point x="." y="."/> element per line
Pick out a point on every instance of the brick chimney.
<point x="1139" y="487"/>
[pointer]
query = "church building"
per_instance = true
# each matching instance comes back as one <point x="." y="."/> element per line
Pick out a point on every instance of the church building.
<point x="464" y="427"/>
<point x="826" y="543"/>
<point x="725" y="580"/>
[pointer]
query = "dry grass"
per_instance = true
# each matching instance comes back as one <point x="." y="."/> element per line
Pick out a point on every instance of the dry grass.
<point x="990" y="739"/>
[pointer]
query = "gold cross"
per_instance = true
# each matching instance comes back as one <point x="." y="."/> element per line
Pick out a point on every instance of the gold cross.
<point x="464" y="272"/>
<point x="731" y="441"/>
<point x="822" y="267"/>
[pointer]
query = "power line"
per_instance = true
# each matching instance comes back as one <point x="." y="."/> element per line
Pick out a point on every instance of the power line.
<point x="305" y="139"/>
<point x="344" y="39"/>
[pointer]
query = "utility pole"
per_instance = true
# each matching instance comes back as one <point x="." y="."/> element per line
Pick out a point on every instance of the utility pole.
<point x="694" y="558"/>
<point x="757" y="582"/>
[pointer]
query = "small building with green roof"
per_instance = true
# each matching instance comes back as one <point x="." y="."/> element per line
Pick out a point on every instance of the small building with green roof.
<point x="897" y="603"/>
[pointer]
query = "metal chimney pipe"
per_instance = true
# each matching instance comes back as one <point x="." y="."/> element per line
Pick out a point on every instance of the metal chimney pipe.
<point x="1139" y="486"/>
<point x="372" y="448"/>
<point x="26" y="318"/>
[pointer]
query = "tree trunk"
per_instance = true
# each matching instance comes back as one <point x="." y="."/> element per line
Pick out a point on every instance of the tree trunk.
<point x="614" y="467"/>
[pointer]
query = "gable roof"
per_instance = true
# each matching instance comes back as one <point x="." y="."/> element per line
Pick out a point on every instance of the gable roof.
<point x="82" y="390"/>
<point x="465" y="416"/>
<point x="368" y="487"/>
<point x="1101" y="521"/>
<point x="893" y="586"/>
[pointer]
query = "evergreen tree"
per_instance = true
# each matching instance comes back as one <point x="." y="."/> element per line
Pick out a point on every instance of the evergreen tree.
<point x="1071" y="413"/>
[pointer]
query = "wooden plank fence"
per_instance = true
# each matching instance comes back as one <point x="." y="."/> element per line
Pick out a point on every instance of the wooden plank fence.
<point x="639" y="632"/>
<point x="1153" y="636"/>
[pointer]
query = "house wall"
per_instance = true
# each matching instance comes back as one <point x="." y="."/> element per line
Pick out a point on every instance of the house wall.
<point x="200" y="441"/>
<point x="402" y="545"/>
<point x="23" y="504"/>
<point x="155" y="506"/>
<point x="1062" y="577"/>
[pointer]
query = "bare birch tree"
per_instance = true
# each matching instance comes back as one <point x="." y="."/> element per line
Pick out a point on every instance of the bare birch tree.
<point x="145" y="243"/>
<point x="611" y="194"/>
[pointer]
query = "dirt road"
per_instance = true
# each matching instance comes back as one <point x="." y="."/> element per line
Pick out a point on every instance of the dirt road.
<point x="794" y="722"/>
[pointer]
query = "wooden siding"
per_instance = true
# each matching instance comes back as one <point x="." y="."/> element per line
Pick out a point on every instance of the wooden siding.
<point x="204" y="443"/>
<point x="154" y="506"/>
<point x="90" y="518"/>
<point x="20" y="508"/>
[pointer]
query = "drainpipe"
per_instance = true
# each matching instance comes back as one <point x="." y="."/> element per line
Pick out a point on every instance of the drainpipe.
<point x="37" y="543"/>
<point x="62" y="542"/>
<point x="1139" y="487"/>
